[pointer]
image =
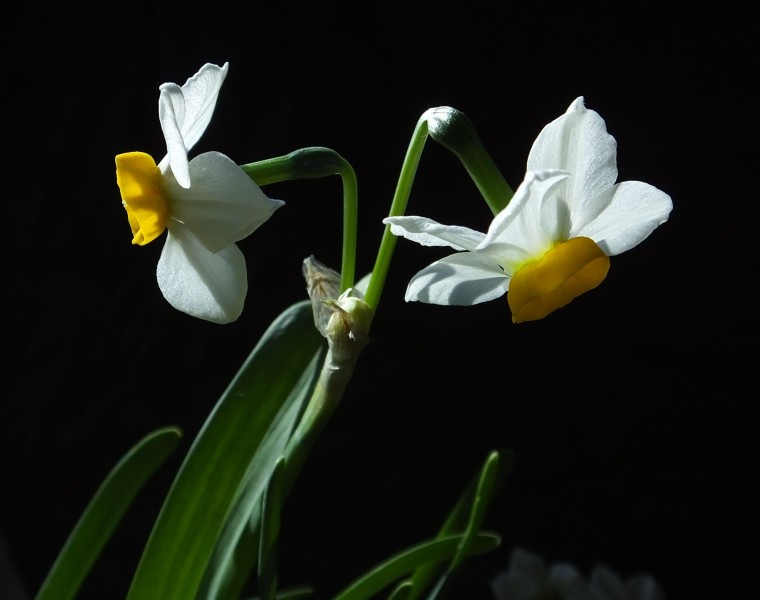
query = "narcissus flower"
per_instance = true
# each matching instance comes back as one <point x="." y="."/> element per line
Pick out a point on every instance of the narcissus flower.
<point x="206" y="204"/>
<point x="553" y="241"/>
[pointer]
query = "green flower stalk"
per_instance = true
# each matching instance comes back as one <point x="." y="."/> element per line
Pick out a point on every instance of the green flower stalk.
<point x="455" y="132"/>
<point x="345" y="323"/>
<point x="347" y="334"/>
<point x="314" y="163"/>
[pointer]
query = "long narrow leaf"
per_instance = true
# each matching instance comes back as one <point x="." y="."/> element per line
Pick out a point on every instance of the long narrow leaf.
<point x="398" y="566"/>
<point x="468" y="512"/>
<point x="401" y="591"/>
<point x="483" y="494"/>
<point x="270" y="533"/>
<point x="237" y="548"/>
<point x="104" y="512"/>
<point x="298" y="593"/>
<point x="185" y="534"/>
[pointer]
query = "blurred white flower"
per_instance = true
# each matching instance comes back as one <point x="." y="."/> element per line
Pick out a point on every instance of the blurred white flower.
<point x="528" y="579"/>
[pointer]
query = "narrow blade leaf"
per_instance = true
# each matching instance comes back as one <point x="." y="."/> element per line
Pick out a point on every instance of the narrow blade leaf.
<point x="184" y="536"/>
<point x="104" y="512"/>
<point x="398" y="566"/>
<point x="237" y="548"/>
<point x="270" y="533"/>
<point x="466" y="516"/>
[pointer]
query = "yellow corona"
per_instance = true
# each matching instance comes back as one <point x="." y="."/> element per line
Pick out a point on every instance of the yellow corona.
<point x="143" y="195"/>
<point x="566" y="271"/>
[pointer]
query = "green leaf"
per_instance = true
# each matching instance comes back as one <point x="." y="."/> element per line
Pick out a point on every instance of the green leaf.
<point x="237" y="548"/>
<point x="396" y="567"/>
<point x="104" y="512"/>
<point x="401" y="591"/>
<point x="466" y="516"/>
<point x="188" y="526"/>
<point x="270" y="533"/>
<point x="298" y="593"/>
<point x="483" y="494"/>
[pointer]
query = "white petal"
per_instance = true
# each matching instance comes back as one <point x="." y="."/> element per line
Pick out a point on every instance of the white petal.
<point x="171" y="114"/>
<point x="459" y="280"/>
<point x="200" y="283"/>
<point x="644" y="587"/>
<point x="577" y="142"/>
<point x="528" y="563"/>
<point x="607" y="584"/>
<point x="526" y="578"/>
<point x="223" y="205"/>
<point x="185" y="112"/>
<point x="533" y="220"/>
<point x="431" y="233"/>
<point x="564" y="578"/>
<point x="628" y="213"/>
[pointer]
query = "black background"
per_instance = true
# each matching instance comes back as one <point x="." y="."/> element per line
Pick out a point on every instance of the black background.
<point x="630" y="411"/>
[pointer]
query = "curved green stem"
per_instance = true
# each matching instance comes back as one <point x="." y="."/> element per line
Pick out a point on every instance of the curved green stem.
<point x="314" y="163"/>
<point x="398" y="206"/>
<point x="455" y="132"/>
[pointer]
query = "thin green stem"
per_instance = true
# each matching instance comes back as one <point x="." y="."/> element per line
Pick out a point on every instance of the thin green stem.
<point x="398" y="206"/>
<point x="455" y="132"/>
<point x="347" y="334"/>
<point x="325" y="398"/>
<point x="314" y="163"/>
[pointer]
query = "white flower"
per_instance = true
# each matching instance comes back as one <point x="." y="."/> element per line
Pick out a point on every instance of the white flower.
<point x="529" y="579"/>
<point x="606" y="585"/>
<point x="206" y="204"/>
<point x="552" y="241"/>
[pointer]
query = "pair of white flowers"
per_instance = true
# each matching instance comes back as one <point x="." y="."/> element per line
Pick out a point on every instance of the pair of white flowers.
<point x="206" y="204"/>
<point x="549" y="245"/>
